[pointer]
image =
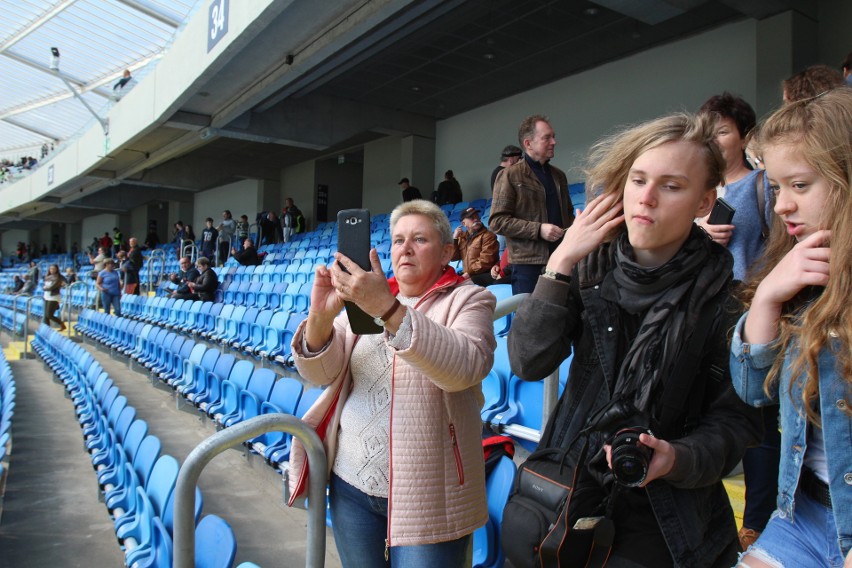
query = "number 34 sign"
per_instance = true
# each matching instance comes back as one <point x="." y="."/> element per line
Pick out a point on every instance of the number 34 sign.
<point x="217" y="26"/>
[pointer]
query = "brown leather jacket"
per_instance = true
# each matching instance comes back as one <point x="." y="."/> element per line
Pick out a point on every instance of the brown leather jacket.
<point x="519" y="208"/>
<point x="478" y="252"/>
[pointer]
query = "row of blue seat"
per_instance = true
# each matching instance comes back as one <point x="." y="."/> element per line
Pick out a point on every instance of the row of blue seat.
<point x="248" y="391"/>
<point x="264" y="334"/>
<point x="8" y="391"/>
<point x="136" y="480"/>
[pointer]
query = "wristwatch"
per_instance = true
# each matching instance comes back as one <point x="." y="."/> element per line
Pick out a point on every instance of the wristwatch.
<point x="383" y="319"/>
<point x="553" y="275"/>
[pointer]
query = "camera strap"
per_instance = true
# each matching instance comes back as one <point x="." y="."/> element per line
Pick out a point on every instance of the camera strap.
<point x="679" y="384"/>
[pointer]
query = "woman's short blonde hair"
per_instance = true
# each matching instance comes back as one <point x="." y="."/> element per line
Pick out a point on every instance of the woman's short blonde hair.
<point x="427" y="209"/>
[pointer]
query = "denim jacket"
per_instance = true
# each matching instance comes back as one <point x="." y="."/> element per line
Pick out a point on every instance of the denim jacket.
<point x="749" y="367"/>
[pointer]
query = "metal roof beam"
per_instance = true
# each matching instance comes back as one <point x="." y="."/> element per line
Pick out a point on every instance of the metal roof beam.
<point x="36" y="24"/>
<point x="151" y="12"/>
<point x="31" y="129"/>
<point x="94" y="88"/>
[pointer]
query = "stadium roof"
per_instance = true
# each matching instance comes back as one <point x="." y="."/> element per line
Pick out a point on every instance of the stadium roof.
<point x="97" y="40"/>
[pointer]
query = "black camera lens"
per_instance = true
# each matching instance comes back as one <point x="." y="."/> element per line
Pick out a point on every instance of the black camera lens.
<point x="630" y="458"/>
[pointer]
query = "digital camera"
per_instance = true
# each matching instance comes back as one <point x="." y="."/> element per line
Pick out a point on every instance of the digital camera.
<point x="630" y="458"/>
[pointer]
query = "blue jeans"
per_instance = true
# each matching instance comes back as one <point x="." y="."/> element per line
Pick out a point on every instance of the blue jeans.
<point x="360" y="525"/>
<point x="525" y="277"/>
<point x="808" y="539"/>
<point x="111" y="300"/>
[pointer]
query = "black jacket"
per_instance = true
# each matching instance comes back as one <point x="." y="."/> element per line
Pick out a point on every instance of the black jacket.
<point x="206" y="284"/>
<point x="247" y="257"/>
<point x="691" y="505"/>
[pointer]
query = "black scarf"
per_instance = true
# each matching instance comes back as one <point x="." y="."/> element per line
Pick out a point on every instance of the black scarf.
<point x="670" y="297"/>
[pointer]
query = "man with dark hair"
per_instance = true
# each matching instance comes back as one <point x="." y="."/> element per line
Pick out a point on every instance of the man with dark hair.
<point x="247" y="256"/>
<point x="204" y="286"/>
<point x="534" y="218"/>
<point x="409" y="192"/>
<point x="209" y="236"/>
<point x="187" y="274"/>
<point x="292" y="220"/>
<point x="449" y="191"/>
<point x="476" y="247"/>
<point x="510" y="155"/>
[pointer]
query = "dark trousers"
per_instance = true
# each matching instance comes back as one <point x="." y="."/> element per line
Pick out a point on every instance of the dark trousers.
<point x="760" y="470"/>
<point x="525" y="277"/>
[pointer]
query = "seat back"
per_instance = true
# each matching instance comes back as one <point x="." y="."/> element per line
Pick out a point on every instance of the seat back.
<point x="215" y="543"/>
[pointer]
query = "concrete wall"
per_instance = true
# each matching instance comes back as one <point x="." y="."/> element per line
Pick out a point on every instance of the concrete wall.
<point x="240" y="197"/>
<point x="584" y="107"/>
<point x="97" y="225"/>
<point x="382" y="164"/>
<point x="345" y="189"/>
<point x="299" y="182"/>
<point x="9" y="241"/>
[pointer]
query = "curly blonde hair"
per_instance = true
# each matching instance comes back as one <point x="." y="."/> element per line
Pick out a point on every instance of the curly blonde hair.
<point x="821" y="129"/>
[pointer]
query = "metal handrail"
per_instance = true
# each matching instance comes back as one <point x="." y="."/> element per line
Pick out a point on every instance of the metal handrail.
<point x="155" y="254"/>
<point x="551" y="382"/>
<point x="70" y="302"/>
<point x="15" y="314"/>
<point x="198" y="458"/>
<point x="26" y="329"/>
<point x="190" y="250"/>
<point x="259" y="233"/>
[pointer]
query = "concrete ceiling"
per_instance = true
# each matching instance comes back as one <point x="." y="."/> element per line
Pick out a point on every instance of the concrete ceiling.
<point x="323" y="78"/>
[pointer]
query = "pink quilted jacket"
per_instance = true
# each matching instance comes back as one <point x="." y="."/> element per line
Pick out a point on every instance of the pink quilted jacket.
<point x="437" y="488"/>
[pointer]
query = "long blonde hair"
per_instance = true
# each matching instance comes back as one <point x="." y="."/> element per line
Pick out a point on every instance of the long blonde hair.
<point x="821" y="129"/>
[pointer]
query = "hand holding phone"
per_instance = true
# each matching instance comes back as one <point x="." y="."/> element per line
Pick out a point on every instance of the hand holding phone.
<point x="353" y="236"/>
<point x="722" y="213"/>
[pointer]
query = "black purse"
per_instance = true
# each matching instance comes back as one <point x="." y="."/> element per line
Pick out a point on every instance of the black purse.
<point x="557" y="514"/>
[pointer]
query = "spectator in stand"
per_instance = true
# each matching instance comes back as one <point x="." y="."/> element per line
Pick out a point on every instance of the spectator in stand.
<point x="106" y="242"/>
<point x="227" y="228"/>
<point x="152" y="239"/>
<point x="188" y="273"/>
<point x="126" y="77"/>
<point x="242" y="229"/>
<point x="97" y="262"/>
<point x="135" y="254"/>
<point x="108" y="282"/>
<point x="70" y="276"/>
<point x="449" y="191"/>
<point x="204" y="286"/>
<point x="179" y="233"/>
<point x="117" y="240"/>
<point x="501" y="272"/>
<point x="28" y="288"/>
<point x="209" y="237"/>
<point x="409" y="192"/>
<point x="476" y="247"/>
<point x="247" y="256"/>
<point x="33" y="271"/>
<point x="531" y="205"/>
<point x="93" y="247"/>
<point x="846" y="66"/>
<point x="53" y="283"/>
<point x="189" y="237"/>
<point x="510" y="156"/>
<point x="292" y="220"/>
<point x="811" y="82"/>
<point x="16" y="286"/>
<point x="128" y="273"/>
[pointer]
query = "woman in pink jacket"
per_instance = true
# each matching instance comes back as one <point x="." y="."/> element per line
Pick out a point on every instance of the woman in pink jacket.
<point x="401" y="413"/>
